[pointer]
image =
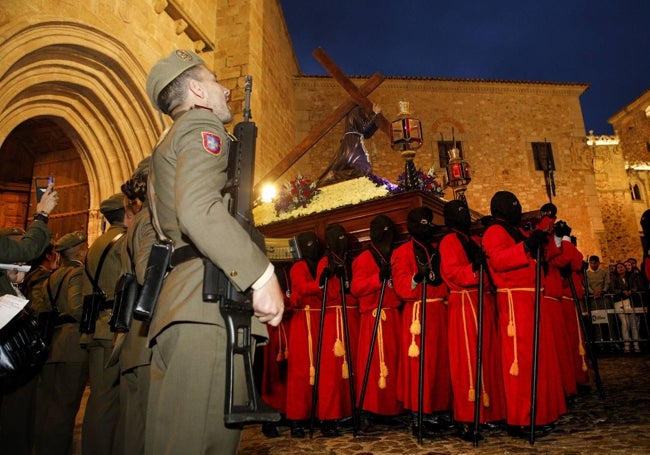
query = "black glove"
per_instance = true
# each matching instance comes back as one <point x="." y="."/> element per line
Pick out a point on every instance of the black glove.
<point x="561" y="229"/>
<point x="326" y="274"/>
<point x="384" y="272"/>
<point x="423" y="271"/>
<point x="478" y="260"/>
<point x="534" y="240"/>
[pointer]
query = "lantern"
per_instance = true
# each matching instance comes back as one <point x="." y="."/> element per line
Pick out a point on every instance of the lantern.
<point x="406" y="138"/>
<point x="458" y="174"/>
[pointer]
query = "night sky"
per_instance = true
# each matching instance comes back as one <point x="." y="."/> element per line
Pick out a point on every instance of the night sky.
<point x="602" y="43"/>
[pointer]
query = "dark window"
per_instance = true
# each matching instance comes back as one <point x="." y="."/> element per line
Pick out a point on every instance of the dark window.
<point x="443" y="149"/>
<point x="543" y="156"/>
<point x="635" y="192"/>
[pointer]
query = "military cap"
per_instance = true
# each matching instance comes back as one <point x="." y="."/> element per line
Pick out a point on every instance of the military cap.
<point x="168" y="69"/>
<point x="6" y="231"/>
<point x="115" y="202"/>
<point x="69" y="240"/>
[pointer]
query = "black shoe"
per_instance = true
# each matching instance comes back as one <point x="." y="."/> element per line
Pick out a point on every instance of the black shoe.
<point x="466" y="433"/>
<point x="425" y="432"/>
<point x="270" y="430"/>
<point x="490" y="426"/>
<point x="329" y="429"/>
<point x="522" y="432"/>
<point x="297" y="431"/>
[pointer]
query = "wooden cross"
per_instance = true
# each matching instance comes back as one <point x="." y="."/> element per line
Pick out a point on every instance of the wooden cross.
<point x="358" y="96"/>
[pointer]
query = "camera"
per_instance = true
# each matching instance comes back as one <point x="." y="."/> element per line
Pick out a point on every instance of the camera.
<point x="41" y="186"/>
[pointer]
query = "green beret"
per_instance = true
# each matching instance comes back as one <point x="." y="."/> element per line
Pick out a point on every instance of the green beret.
<point x="168" y="69"/>
<point x="142" y="169"/>
<point x="70" y="240"/>
<point x="115" y="202"/>
<point x="6" y="231"/>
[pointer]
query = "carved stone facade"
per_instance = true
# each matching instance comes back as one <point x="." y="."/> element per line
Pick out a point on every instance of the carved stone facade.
<point x="83" y="66"/>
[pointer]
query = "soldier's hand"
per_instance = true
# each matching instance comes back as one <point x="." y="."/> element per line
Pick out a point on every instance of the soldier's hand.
<point x="268" y="302"/>
<point x="48" y="201"/>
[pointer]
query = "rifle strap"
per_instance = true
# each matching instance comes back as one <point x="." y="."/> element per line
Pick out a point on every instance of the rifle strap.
<point x="54" y="298"/>
<point x="95" y="280"/>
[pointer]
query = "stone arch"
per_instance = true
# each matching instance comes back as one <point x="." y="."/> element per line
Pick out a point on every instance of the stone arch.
<point x="90" y="84"/>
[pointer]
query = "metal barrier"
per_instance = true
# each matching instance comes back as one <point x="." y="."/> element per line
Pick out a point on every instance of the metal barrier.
<point x="618" y="320"/>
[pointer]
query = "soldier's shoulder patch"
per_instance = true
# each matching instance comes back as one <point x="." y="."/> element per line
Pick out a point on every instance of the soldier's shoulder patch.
<point x="211" y="143"/>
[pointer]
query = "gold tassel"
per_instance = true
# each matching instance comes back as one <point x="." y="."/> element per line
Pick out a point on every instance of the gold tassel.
<point x="286" y="354"/>
<point x="511" y="329"/>
<point x="414" y="350"/>
<point x="279" y="357"/>
<point x="581" y="350"/>
<point x="382" y="382"/>
<point x="312" y="375"/>
<point x="415" y="329"/>
<point x="584" y="365"/>
<point x="471" y="396"/>
<point x="486" y="400"/>
<point x="345" y="373"/>
<point x="383" y="369"/>
<point x="339" y="350"/>
<point x="514" y="368"/>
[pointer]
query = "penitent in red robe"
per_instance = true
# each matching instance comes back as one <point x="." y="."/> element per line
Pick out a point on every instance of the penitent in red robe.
<point x="437" y="381"/>
<point x="553" y="292"/>
<point x="381" y="389"/>
<point x="462" y="282"/>
<point x="276" y="353"/>
<point x="513" y="272"/>
<point x="333" y="376"/>
<point x="303" y="337"/>
<point x="577" y="343"/>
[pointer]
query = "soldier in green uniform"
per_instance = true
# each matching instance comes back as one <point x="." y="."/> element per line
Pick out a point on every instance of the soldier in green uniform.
<point x="188" y="337"/>
<point x="134" y="353"/>
<point x="63" y="378"/>
<point x="103" y="407"/>
<point x="37" y="237"/>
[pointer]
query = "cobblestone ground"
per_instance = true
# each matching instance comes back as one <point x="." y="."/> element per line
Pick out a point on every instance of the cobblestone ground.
<point x="619" y="424"/>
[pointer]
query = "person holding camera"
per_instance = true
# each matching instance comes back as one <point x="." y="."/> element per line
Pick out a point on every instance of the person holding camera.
<point x="36" y="238"/>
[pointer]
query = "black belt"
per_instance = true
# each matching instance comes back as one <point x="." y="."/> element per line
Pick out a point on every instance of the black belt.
<point x="108" y="305"/>
<point x="184" y="254"/>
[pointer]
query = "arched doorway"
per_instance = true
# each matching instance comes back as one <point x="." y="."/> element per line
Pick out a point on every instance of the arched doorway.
<point x="86" y="89"/>
<point x="39" y="147"/>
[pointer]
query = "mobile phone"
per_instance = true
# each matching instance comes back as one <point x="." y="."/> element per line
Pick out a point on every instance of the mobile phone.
<point x="41" y="186"/>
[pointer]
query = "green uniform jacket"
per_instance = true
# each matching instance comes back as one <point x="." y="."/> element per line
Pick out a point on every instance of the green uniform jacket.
<point x="39" y="301"/>
<point x="109" y="275"/>
<point x="29" y="247"/>
<point x="65" y="340"/>
<point x="189" y="172"/>
<point x="139" y="238"/>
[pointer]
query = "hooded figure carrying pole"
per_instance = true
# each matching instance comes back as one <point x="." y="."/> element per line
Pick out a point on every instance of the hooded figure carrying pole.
<point x="476" y="379"/>
<point x="415" y="265"/>
<point x="377" y="355"/>
<point x="510" y="259"/>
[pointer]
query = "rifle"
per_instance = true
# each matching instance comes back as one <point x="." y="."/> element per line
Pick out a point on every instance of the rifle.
<point x="237" y="307"/>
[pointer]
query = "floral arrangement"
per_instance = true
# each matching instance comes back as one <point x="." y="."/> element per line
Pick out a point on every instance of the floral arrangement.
<point x="425" y="182"/>
<point x="299" y="192"/>
<point x="348" y="192"/>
